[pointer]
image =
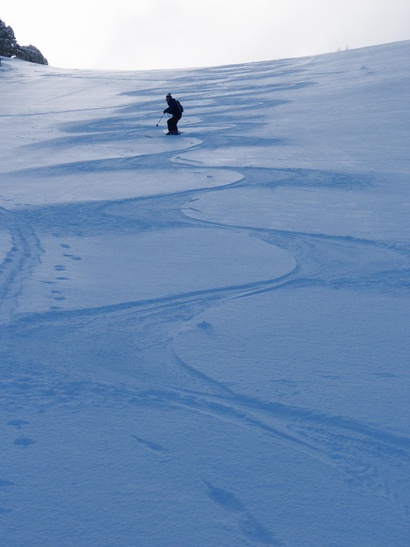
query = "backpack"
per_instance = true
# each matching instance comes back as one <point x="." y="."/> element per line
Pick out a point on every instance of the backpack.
<point x="181" y="108"/>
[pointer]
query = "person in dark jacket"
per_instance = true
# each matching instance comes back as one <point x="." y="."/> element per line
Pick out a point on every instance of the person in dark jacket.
<point x="176" y="113"/>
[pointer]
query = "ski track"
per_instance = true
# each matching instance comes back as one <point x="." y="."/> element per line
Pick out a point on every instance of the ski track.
<point x="366" y="455"/>
<point x="25" y="252"/>
<point x="350" y="448"/>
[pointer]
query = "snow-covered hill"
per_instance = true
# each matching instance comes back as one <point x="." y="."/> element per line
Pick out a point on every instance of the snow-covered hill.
<point x="204" y="338"/>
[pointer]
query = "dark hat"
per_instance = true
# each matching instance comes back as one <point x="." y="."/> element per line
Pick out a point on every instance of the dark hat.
<point x="169" y="96"/>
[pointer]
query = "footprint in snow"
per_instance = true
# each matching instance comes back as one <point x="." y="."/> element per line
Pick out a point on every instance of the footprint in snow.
<point x="206" y="327"/>
<point x="72" y="257"/>
<point x="6" y="483"/>
<point x="18" y="424"/>
<point x="150" y="445"/>
<point x="247" y="523"/>
<point x="224" y="498"/>
<point x="24" y="442"/>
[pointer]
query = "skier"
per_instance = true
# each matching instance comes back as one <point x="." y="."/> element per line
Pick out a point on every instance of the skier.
<point x="175" y="109"/>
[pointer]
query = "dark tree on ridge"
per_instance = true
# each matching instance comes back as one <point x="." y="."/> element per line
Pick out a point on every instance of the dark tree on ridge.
<point x="10" y="48"/>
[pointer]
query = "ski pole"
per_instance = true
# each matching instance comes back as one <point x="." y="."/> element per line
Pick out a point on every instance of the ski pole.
<point x="160" y="119"/>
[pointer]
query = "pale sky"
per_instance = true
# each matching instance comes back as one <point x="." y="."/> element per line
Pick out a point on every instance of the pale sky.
<point x="149" y="34"/>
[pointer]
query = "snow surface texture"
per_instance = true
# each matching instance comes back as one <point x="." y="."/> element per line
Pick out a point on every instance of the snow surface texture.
<point x="204" y="339"/>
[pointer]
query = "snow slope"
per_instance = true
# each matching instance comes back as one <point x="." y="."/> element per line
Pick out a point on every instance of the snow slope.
<point x="204" y="338"/>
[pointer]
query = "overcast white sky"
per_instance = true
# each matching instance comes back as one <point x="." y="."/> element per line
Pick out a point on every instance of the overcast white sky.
<point x="145" y="34"/>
